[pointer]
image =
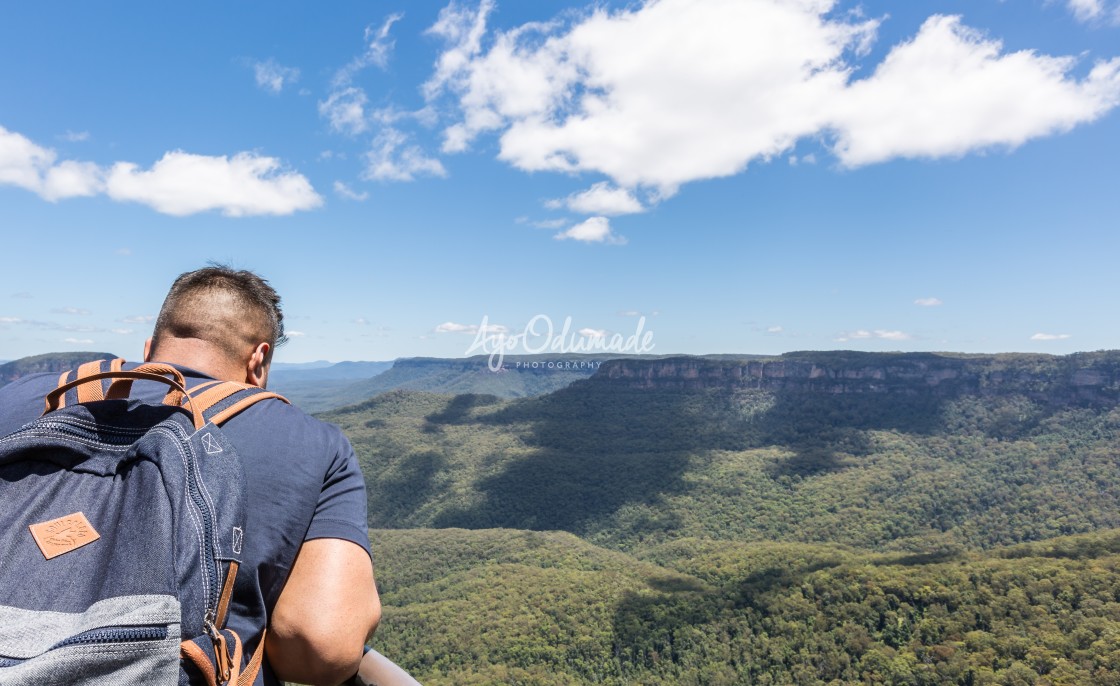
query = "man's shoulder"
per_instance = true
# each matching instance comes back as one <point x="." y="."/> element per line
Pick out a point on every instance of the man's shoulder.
<point x="21" y="401"/>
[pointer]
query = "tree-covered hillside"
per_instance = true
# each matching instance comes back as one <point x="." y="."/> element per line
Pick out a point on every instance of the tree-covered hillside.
<point x="48" y="362"/>
<point x="624" y="466"/>
<point x="513" y="607"/>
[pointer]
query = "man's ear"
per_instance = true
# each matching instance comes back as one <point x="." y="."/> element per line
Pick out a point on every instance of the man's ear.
<point x="148" y="350"/>
<point x="256" y="371"/>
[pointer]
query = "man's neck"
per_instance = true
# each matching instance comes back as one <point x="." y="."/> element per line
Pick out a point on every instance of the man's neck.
<point x="199" y="355"/>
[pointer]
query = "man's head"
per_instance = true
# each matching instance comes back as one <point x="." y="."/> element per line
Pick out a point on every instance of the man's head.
<point x="221" y="321"/>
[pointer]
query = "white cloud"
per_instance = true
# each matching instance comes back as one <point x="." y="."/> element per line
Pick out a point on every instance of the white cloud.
<point x="294" y="334"/>
<point x="391" y="158"/>
<point x="950" y="91"/>
<point x="71" y="310"/>
<point x="122" y="332"/>
<point x="75" y="136"/>
<point x="78" y="341"/>
<point x="10" y="320"/>
<point x="892" y="335"/>
<point x="472" y="329"/>
<point x="664" y="93"/>
<point x="774" y="329"/>
<point x="71" y="179"/>
<point x="864" y="334"/>
<point x="1050" y="336"/>
<point x="349" y="193"/>
<point x="928" y="302"/>
<point x="602" y="199"/>
<point x="593" y="230"/>
<point x="273" y="76"/>
<point x="139" y="319"/>
<point x="32" y="167"/>
<point x="593" y="333"/>
<point x="181" y="183"/>
<point x="345" y="110"/>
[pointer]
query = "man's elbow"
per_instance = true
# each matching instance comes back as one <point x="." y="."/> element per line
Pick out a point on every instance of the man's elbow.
<point x="320" y="651"/>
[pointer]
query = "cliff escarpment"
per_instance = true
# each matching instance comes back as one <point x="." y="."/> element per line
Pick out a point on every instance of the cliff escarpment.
<point x="1078" y="378"/>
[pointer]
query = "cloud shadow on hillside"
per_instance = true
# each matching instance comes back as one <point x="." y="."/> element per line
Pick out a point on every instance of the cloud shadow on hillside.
<point x="599" y="446"/>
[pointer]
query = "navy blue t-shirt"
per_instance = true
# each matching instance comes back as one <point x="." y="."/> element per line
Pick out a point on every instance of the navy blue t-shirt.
<point x="303" y="483"/>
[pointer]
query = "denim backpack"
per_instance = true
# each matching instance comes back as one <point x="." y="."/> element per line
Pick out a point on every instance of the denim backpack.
<point x="123" y="526"/>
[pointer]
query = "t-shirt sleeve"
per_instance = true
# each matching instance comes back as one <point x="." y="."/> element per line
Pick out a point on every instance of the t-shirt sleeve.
<point x="341" y="510"/>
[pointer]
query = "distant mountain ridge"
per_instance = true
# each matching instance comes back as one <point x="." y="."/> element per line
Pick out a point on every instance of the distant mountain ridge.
<point x="48" y="362"/>
<point x="519" y="376"/>
<point x="1093" y="376"/>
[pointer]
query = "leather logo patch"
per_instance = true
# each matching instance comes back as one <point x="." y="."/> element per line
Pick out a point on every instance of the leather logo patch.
<point x="64" y="534"/>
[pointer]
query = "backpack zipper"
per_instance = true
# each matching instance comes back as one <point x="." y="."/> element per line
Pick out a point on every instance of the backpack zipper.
<point x="103" y="636"/>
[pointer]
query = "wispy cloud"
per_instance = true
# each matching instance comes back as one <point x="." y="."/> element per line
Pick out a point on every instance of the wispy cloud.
<point x="1050" y="337"/>
<point x="178" y="184"/>
<point x="345" y="191"/>
<point x="71" y="310"/>
<point x="345" y="110"/>
<point x="392" y="157"/>
<point x="139" y="319"/>
<point x="593" y="230"/>
<point x="928" y="302"/>
<point x="74" y="136"/>
<point x="864" y="334"/>
<point x="273" y="76"/>
<point x="472" y="329"/>
<point x="379" y="47"/>
<point x="1095" y="11"/>
<point x="78" y="341"/>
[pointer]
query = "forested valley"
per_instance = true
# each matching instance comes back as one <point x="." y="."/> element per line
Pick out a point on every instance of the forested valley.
<point x="832" y="518"/>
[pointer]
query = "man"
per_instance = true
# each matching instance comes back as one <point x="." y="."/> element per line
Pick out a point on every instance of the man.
<point x="307" y="568"/>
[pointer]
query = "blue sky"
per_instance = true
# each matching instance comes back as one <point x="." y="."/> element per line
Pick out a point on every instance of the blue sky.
<point x="748" y="176"/>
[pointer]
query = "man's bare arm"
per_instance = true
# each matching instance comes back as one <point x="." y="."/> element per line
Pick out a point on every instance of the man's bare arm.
<point x="326" y="612"/>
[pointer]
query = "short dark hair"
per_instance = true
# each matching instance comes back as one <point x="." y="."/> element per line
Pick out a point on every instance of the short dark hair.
<point x="233" y="309"/>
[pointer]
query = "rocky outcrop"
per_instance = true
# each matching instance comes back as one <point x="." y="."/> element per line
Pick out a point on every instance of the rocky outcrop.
<point x="1090" y="377"/>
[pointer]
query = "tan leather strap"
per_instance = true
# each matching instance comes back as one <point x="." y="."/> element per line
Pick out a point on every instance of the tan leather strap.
<point x="90" y="392"/>
<point x="189" y="650"/>
<point x="63" y="379"/>
<point x="250" y="674"/>
<point x="123" y="387"/>
<point x="54" y="397"/>
<point x="197" y="389"/>
<point x="235" y="672"/>
<point x="227" y="591"/>
<point x="233" y="409"/>
<point x="215" y="393"/>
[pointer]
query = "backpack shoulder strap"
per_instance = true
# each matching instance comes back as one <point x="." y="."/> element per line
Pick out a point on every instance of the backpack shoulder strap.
<point x="218" y="401"/>
<point x="91" y="390"/>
